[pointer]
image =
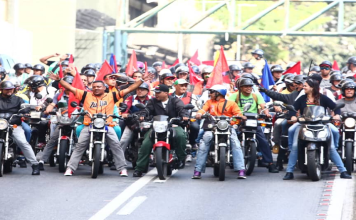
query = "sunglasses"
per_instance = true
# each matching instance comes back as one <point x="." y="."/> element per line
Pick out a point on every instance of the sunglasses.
<point x="170" y="78"/>
<point x="248" y="86"/>
<point x="325" y="68"/>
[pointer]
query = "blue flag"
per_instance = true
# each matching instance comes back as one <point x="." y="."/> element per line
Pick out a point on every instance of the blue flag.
<point x="266" y="80"/>
<point x="113" y="63"/>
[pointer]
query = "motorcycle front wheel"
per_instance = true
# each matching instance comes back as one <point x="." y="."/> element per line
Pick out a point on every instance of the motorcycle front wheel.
<point x="250" y="157"/>
<point x="161" y="165"/>
<point x="96" y="161"/>
<point x="2" y="161"/>
<point x="314" y="168"/>
<point x="349" y="162"/>
<point x="62" y="157"/>
<point x="222" y="164"/>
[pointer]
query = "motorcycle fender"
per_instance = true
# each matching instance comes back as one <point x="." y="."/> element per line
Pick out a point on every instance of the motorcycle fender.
<point x="312" y="146"/>
<point x="161" y="144"/>
<point x="64" y="137"/>
<point x="222" y="145"/>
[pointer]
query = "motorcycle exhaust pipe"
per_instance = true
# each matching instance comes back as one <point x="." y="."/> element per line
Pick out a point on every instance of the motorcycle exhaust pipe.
<point x="306" y="156"/>
<point x="322" y="155"/>
<point x="59" y="140"/>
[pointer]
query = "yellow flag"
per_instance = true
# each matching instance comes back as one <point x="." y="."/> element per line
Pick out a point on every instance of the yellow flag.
<point x="216" y="56"/>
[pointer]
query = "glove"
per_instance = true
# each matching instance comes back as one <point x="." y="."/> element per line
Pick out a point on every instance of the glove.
<point x="262" y="89"/>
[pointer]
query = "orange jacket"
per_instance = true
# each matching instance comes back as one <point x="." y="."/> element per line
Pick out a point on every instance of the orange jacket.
<point x="215" y="108"/>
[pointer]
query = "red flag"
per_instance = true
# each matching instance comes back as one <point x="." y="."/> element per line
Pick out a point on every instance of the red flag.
<point x="220" y="67"/>
<point x="194" y="59"/>
<point x="335" y="66"/>
<point x="104" y="70"/>
<point x="164" y="65"/>
<point x="60" y="74"/>
<point x="294" y="69"/>
<point x="132" y="64"/>
<point x="77" y="83"/>
<point x="175" y="62"/>
<point x="193" y="78"/>
<point x="209" y="62"/>
<point x="71" y="61"/>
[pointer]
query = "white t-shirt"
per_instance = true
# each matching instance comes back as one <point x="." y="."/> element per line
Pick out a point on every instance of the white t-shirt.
<point x="34" y="101"/>
<point x="165" y="104"/>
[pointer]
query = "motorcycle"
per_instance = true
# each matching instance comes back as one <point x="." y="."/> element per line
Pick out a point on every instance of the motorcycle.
<point x="97" y="129"/>
<point x="165" y="157"/>
<point x="314" y="141"/>
<point x="348" y="131"/>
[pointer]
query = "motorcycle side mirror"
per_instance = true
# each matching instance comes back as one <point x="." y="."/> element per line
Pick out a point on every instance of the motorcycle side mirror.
<point x="38" y="96"/>
<point x="291" y="108"/>
<point x="247" y="107"/>
<point x="49" y="100"/>
<point x="140" y="106"/>
<point x="189" y="106"/>
<point x="74" y="104"/>
<point x="339" y="106"/>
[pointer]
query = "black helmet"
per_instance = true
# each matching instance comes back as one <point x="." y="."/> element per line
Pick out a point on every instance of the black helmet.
<point x="299" y="79"/>
<point x="144" y="86"/>
<point x="158" y="63"/>
<point x="178" y="65"/>
<point x="183" y="69"/>
<point x="97" y="66"/>
<point x="2" y="73"/>
<point x="288" y="78"/>
<point x="351" y="60"/>
<point x="173" y="70"/>
<point x="151" y="70"/>
<point x="277" y="68"/>
<point x="335" y="77"/>
<point x="6" y="85"/>
<point x="315" y="68"/>
<point x="166" y="75"/>
<point x="121" y="79"/>
<point x="196" y="69"/>
<point x="248" y="65"/>
<point x="326" y="63"/>
<point x="348" y="85"/>
<point x="69" y="79"/>
<point x="18" y="66"/>
<point x="90" y="66"/>
<point x="39" y="67"/>
<point x="245" y="82"/>
<point x="343" y="82"/>
<point x="234" y="67"/>
<point x="259" y="52"/>
<point x="28" y="65"/>
<point x="35" y="81"/>
<point x="89" y="72"/>
<point x="249" y="76"/>
<point x="65" y="63"/>
<point x="333" y="72"/>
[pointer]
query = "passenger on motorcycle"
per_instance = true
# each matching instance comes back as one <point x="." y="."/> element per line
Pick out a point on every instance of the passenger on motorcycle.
<point x="90" y="77"/>
<point x="219" y="106"/>
<point x="277" y="72"/>
<point x="313" y="97"/>
<point x="96" y="102"/>
<point x="182" y="72"/>
<point x="9" y="103"/>
<point x="314" y="70"/>
<point x="163" y="104"/>
<point x="19" y="74"/>
<point x="200" y="87"/>
<point x="351" y="66"/>
<point x="325" y="69"/>
<point x="335" y="80"/>
<point x="158" y="67"/>
<point x="248" y="67"/>
<point x="28" y="69"/>
<point x="348" y="93"/>
<point x="244" y="96"/>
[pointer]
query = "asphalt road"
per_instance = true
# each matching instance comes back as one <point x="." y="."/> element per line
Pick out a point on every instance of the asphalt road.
<point x="262" y="195"/>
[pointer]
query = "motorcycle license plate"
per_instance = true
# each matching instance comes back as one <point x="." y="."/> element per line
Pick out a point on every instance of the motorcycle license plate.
<point x="35" y="115"/>
<point x="267" y="130"/>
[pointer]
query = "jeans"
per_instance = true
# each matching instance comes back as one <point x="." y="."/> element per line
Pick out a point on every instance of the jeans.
<point x="18" y="135"/>
<point x="126" y="138"/>
<point x="204" y="148"/>
<point x="293" y="157"/>
<point x="263" y="146"/>
<point x="27" y="130"/>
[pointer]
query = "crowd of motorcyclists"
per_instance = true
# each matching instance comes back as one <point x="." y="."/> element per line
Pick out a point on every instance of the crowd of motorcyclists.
<point x="157" y="117"/>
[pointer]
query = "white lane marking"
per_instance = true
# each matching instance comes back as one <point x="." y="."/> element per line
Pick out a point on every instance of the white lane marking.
<point x="132" y="205"/>
<point x="163" y="181"/>
<point x="107" y="210"/>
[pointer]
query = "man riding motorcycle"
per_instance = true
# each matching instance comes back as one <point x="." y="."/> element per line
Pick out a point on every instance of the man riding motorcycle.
<point x="9" y="103"/>
<point x="90" y="77"/>
<point x="277" y="72"/>
<point x="335" y="80"/>
<point x="219" y="106"/>
<point x="19" y="74"/>
<point x="163" y="104"/>
<point x="325" y="69"/>
<point x="348" y="92"/>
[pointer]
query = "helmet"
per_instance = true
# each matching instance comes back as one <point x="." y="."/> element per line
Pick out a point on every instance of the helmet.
<point x="39" y="67"/>
<point x="248" y="65"/>
<point x="183" y="69"/>
<point x="277" y="68"/>
<point x="326" y="63"/>
<point x="291" y="64"/>
<point x="158" y="63"/>
<point x="245" y="82"/>
<point x="250" y="76"/>
<point x="89" y="72"/>
<point x="335" y="77"/>
<point x="18" y="66"/>
<point x="82" y="71"/>
<point x="220" y="89"/>
<point x="351" y="60"/>
<point x="288" y="79"/>
<point x="178" y="65"/>
<point x="6" y="85"/>
<point x="151" y="70"/>
<point x="144" y="86"/>
<point x="164" y="71"/>
<point x="343" y="82"/>
<point x="166" y="75"/>
<point x="28" y="65"/>
<point x="259" y="52"/>
<point x="90" y="66"/>
<point x="172" y="69"/>
<point x="122" y="79"/>
<point x="196" y="69"/>
<point x="2" y="73"/>
<point x="35" y="81"/>
<point x="234" y="67"/>
<point x="140" y="65"/>
<point x="65" y="63"/>
<point x="332" y="72"/>
<point x="348" y="85"/>
<point x="97" y="66"/>
<point x="315" y="68"/>
<point x="299" y="79"/>
<point x="69" y="79"/>
<point x="207" y="69"/>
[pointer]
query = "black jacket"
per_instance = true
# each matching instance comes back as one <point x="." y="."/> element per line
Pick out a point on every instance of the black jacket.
<point x="301" y="103"/>
<point x="287" y="99"/>
<point x="174" y="106"/>
<point x="10" y="105"/>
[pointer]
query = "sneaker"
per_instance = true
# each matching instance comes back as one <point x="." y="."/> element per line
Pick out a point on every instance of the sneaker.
<point x="40" y="164"/>
<point x="68" y="172"/>
<point x="22" y="163"/>
<point x="272" y="168"/>
<point x="242" y="174"/>
<point x="123" y="173"/>
<point x="40" y="146"/>
<point x="196" y="175"/>
<point x="189" y="158"/>
<point x="345" y="175"/>
<point x="137" y="173"/>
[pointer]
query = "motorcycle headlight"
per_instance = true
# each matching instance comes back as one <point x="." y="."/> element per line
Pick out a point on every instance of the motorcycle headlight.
<point x="322" y="134"/>
<point x="301" y="119"/>
<point x="251" y="123"/>
<point x="3" y="124"/>
<point x="223" y="125"/>
<point x="160" y="126"/>
<point x="350" y="122"/>
<point x="64" y="119"/>
<point x="99" y="123"/>
<point x="308" y="134"/>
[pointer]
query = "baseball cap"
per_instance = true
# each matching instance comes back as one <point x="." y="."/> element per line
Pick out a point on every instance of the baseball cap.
<point x="180" y="81"/>
<point x="161" y="88"/>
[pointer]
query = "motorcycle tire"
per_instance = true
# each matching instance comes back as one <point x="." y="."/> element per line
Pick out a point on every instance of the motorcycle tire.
<point x="62" y="157"/>
<point x="250" y="157"/>
<point x="2" y="161"/>
<point x="169" y="169"/>
<point x="96" y="161"/>
<point x="8" y="166"/>
<point x="216" y="170"/>
<point x="222" y="164"/>
<point x="349" y="162"/>
<point x="101" y="168"/>
<point x="314" y="168"/>
<point x="161" y="166"/>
